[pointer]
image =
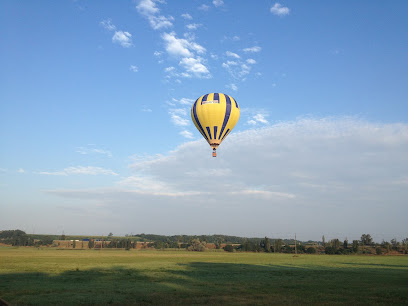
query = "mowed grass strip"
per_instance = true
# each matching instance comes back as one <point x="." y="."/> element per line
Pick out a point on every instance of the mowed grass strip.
<point x="63" y="277"/>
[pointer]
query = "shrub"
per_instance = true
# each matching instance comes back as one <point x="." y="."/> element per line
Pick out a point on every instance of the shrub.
<point x="311" y="250"/>
<point x="229" y="248"/>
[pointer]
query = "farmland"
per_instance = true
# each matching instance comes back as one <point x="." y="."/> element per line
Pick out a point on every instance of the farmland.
<point x="51" y="276"/>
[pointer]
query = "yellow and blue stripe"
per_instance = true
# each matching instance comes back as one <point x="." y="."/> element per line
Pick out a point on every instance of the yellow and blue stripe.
<point x="215" y="115"/>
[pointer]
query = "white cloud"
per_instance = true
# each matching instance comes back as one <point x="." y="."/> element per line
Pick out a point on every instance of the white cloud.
<point x="232" y="54"/>
<point x="313" y="168"/>
<point x="232" y="87"/>
<point x="195" y="66"/>
<point x="107" y="24"/>
<point x="204" y="7"/>
<point x="122" y="38"/>
<point x="146" y="109"/>
<point x="176" y="46"/>
<point x="148" y="9"/>
<point x="229" y="63"/>
<point x="278" y="9"/>
<point x="187" y="134"/>
<point x="252" y="49"/>
<point x="21" y="170"/>
<point x="159" y="22"/>
<point x="81" y="170"/>
<point x="179" y="121"/>
<point x="169" y="69"/>
<point x="133" y="68"/>
<point x="187" y="16"/>
<point x="186" y="101"/>
<point x="91" y="149"/>
<point x="251" y="61"/>
<point x="157" y="53"/>
<point x="218" y="3"/>
<point x="260" y="118"/>
<point x="237" y="69"/>
<point x="193" y="26"/>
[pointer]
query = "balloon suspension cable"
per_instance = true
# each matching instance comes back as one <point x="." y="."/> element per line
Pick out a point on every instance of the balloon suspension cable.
<point x="214" y="152"/>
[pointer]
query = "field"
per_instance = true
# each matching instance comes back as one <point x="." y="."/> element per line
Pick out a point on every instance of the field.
<point x="50" y="276"/>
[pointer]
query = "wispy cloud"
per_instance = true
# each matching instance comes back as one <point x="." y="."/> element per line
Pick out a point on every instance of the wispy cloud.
<point x="232" y="54"/>
<point x="195" y="66"/>
<point x="218" y="3"/>
<point x="187" y="16"/>
<point x="187" y="134"/>
<point x="91" y="149"/>
<point x="203" y="7"/>
<point x="122" y="38"/>
<point x="21" y="170"/>
<point x="133" y="68"/>
<point x="279" y="10"/>
<point x="148" y="9"/>
<point x="81" y="170"/>
<point x="108" y="25"/>
<point x="258" y="118"/>
<point x="193" y="26"/>
<point x="232" y="86"/>
<point x="253" y="49"/>
<point x="180" y="46"/>
<point x="179" y="117"/>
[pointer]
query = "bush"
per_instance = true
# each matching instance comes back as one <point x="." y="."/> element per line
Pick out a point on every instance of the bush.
<point x="311" y="250"/>
<point x="330" y="250"/>
<point x="197" y="245"/>
<point x="378" y="251"/>
<point x="229" y="248"/>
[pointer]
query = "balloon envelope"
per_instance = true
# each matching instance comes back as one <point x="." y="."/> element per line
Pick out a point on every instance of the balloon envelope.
<point x="215" y="115"/>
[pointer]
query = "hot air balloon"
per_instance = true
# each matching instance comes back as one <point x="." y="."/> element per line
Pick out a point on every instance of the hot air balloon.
<point x="215" y="115"/>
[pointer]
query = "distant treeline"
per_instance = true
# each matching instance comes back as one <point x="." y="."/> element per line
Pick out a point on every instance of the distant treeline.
<point x="202" y="242"/>
<point x="216" y="239"/>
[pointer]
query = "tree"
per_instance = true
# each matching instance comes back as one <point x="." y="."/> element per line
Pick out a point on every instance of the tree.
<point x="91" y="244"/>
<point x="277" y="245"/>
<point x="323" y="241"/>
<point x="335" y="244"/>
<point x="197" y="245"/>
<point x="345" y="244"/>
<point x="366" y="239"/>
<point x="110" y="234"/>
<point x="62" y="237"/>
<point x="355" y="246"/>
<point x="266" y="244"/>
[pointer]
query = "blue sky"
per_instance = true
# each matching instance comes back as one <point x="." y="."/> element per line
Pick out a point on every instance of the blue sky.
<point x="96" y="135"/>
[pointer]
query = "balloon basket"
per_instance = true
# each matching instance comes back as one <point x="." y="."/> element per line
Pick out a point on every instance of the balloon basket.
<point x="214" y="154"/>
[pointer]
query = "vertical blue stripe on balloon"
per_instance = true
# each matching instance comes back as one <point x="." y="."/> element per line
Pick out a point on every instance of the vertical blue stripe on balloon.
<point x="227" y="114"/>
<point x="225" y="134"/>
<point x="236" y="104"/>
<point x="215" y="131"/>
<point x="204" y="99"/>
<point x="209" y="131"/>
<point x="216" y="98"/>
<point x="196" y="119"/>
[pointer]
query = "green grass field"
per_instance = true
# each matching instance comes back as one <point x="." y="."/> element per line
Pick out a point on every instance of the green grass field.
<point x="50" y="276"/>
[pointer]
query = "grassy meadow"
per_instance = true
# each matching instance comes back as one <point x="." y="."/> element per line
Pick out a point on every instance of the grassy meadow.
<point x="51" y="276"/>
